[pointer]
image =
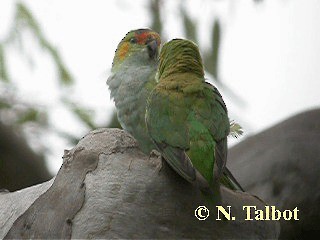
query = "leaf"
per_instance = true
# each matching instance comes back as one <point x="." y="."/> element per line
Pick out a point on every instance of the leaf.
<point x="24" y="20"/>
<point x="85" y="115"/>
<point x="155" y="9"/>
<point x="211" y="59"/>
<point x="4" y="104"/>
<point x="64" y="74"/>
<point x="31" y="115"/>
<point x="69" y="137"/>
<point x="3" y="66"/>
<point x="189" y="25"/>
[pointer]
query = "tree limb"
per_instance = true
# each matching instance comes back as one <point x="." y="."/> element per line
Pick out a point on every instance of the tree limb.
<point x="125" y="196"/>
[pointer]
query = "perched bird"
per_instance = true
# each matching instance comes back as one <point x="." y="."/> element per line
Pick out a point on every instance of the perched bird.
<point x="133" y="77"/>
<point x="187" y="118"/>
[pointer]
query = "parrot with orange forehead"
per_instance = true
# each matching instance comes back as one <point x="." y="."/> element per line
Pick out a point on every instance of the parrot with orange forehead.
<point x="133" y="77"/>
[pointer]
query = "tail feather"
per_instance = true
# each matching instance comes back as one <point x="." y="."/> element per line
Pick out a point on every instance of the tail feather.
<point x="230" y="181"/>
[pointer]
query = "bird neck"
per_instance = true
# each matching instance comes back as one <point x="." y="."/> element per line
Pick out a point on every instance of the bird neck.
<point x="179" y="59"/>
<point x="182" y="82"/>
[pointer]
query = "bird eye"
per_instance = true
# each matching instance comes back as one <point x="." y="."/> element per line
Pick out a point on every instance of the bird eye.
<point x="133" y="40"/>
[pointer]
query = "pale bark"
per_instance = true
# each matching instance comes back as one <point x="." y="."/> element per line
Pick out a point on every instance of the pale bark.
<point x="107" y="188"/>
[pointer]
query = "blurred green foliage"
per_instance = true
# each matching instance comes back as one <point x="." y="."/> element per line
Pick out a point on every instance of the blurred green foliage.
<point x="189" y="25"/>
<point x="24" y="21"/>
<point x="156" y="22"/>
<point x="3" y="65"/>
<point x="16" y="112"/>
<point x="86" y="115"/>
<point x="210" y="55"/>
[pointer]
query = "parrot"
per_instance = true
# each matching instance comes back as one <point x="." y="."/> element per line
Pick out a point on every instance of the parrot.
<point x="133" y="77"/>
<point x="187" y="119"/>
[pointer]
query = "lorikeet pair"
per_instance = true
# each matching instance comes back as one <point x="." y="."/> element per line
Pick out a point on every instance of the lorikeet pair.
<point x="162" y="99"/>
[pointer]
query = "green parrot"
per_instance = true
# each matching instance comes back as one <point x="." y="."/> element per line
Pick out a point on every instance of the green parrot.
<point x="133" y="76"/>
<point x="187" y="118"/>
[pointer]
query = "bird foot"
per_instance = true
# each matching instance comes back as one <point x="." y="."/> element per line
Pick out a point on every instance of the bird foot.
<point x="156" y="159"/>
<point x="154" y="154"/>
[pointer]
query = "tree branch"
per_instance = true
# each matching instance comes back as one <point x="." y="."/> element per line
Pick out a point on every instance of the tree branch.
<point x="107" y="188"/>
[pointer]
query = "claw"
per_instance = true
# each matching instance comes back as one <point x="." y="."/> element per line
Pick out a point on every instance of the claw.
<point x="157" y="155"/>
<point x="154" y="154"/>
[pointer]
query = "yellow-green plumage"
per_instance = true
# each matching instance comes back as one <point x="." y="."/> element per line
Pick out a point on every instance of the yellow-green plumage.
<point x="186" y="117"/>
<point x="133" y="77"/>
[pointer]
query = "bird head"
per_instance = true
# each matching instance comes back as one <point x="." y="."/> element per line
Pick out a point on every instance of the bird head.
<point x="140" y="46"/>
<point x="180" y="56"/>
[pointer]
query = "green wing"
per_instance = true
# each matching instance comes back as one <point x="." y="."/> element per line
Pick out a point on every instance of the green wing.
<point x="191" y="133"/>
<point x="221" y="131"/>
<point x="214" y="116"/>
<point x="188" y="129"/>
<point x="165" y="120"/>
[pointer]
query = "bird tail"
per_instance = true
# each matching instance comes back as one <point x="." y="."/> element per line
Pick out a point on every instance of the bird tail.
<point x="229" y="181"/>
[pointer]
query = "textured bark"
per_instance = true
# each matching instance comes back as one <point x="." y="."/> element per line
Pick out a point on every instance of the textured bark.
<point x="125" y="196"/>
<point x="50" y="216"/>
<point x="282" y="166"/>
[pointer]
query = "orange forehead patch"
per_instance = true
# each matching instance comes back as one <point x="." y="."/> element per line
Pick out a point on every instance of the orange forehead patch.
<point x="124" y="48"/>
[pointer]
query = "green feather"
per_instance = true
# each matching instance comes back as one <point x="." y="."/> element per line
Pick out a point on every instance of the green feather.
<point x="133" y="78"/>
<point x="235" y="129"/>
<point x="186" y="117"/>
<point x="180" y="56"/>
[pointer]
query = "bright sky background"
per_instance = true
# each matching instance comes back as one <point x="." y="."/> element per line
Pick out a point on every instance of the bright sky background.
<point x="270" y="55"/>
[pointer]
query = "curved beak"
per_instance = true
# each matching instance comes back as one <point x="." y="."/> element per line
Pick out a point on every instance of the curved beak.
<point x="152" y="46"/>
